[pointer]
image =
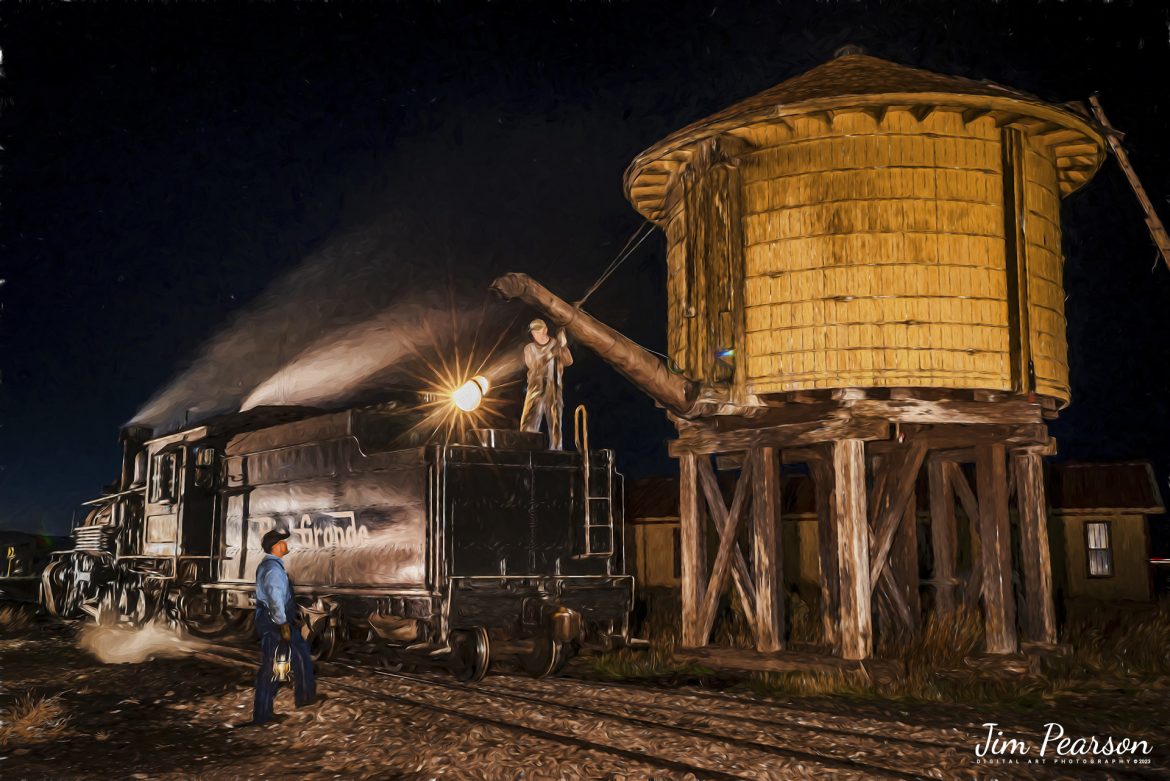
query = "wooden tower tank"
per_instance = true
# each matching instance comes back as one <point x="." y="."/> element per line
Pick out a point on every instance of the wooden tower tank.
<point x="864" y="275"/>
<point x="869" y="225"/>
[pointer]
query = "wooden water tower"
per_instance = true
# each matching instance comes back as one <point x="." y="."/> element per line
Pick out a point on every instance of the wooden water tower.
<point x="864" y="275"/>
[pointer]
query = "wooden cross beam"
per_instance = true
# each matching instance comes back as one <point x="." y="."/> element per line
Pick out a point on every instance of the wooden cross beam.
<point x="943" y="537"/>
<point x="962" y="490"/>
<point x="727" y="544"/>
<point x="885" y="469"/>
<point x="893" y="513"/>
<point x="740" y="574"/>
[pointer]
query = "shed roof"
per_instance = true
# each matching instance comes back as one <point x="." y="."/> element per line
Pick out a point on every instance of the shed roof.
<point x="1093" y="488"/>
<point x="859" y="81"/>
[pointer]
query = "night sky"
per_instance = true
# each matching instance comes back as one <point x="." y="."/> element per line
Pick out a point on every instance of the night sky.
<point x="171" y="171"/>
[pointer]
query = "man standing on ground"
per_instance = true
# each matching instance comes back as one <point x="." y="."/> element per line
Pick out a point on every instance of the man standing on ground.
<point x="275" y="611"/>
<point x="545" y="358"/>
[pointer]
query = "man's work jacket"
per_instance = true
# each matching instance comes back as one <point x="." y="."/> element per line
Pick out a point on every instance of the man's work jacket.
<point x="274" y="594"/>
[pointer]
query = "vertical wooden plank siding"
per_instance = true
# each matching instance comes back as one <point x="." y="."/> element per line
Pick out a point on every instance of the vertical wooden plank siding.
<point x="1016" y="261"/>
<point x="827" y="550"/>
<point x="849" y="510"/>
<point x="693" y="535"/>
<point x="943" y="538"/>
<point x="767" y="559"/>
<point x="1039" y="622"/>
<point x="999" y="607"/>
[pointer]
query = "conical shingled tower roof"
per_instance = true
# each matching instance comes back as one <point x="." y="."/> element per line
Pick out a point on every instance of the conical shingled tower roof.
<point x="862" y="82"/>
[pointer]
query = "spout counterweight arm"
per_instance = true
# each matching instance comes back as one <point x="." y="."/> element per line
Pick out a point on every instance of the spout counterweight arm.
<point x="633" y="362"/>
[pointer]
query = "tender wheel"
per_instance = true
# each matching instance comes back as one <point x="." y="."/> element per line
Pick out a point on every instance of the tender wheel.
<point x="470" y="654"/>
<point x="323" y="642"/>
<point x="547" y="657"/>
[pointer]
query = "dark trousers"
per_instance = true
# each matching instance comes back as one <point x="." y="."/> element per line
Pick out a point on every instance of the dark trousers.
<point x="305" y="685"/>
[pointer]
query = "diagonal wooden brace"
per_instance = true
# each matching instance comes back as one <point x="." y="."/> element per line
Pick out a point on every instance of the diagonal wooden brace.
<point x="900" y="490"/>
<point x="740" y="574"/>
<point x="727" y="544"/>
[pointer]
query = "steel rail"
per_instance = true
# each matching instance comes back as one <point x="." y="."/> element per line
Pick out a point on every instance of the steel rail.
<point x="790" y="753"/>
<point x="763" y="722"/>
<point x="582" y="743"/>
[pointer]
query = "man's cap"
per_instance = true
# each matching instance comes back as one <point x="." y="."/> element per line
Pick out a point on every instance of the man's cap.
<point x="537" y="325"/>
<point x="271" y="538"/>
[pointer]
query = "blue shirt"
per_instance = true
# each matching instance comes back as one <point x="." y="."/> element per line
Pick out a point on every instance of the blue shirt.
<point x="273" y="588"/>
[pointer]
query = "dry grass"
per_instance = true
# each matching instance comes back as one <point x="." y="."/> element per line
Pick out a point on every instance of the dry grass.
<point x="15" y="618"/>
<point x="657" y="661"/>
<point x="1104" y="644"/>
<point x="661" y="629"/>
<point x="32" y="719"/>
<point x="1118" y="640"/>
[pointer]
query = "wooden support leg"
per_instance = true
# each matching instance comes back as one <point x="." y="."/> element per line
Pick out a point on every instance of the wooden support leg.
<point x="693" y="539"/>
<point x="767" y="560"/>
<point x="904" y="563"/>
<point x="999" y="606"/>
<point x="827" y="551"/>
<point x="849" y="511"/>
<point x="1039" y="622"/>
<point x="943" y="539"/>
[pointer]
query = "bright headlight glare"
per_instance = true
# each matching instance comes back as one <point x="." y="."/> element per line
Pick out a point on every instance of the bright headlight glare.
<point x="469" y="395"/>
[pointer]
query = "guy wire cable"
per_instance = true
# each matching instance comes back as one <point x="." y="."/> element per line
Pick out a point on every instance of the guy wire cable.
<point x="621" y="257"/>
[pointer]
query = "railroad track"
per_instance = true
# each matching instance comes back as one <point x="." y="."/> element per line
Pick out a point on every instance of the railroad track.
<point x="705" y="698"/>
<point x="828" y="761"/>
<point x="764" y="752"/>
<point x="661" y="763"/>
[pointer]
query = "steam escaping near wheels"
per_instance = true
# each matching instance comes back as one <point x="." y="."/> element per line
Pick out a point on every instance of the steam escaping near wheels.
<point x="124" y="645"/>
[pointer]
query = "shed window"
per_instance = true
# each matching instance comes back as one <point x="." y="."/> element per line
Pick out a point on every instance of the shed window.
<point x="1099" y="546"/>
<point x="162" y="477"/>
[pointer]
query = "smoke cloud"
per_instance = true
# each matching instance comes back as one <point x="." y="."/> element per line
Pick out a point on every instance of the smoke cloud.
<point x="122" y="645"/>
<point x="363" y="315"/>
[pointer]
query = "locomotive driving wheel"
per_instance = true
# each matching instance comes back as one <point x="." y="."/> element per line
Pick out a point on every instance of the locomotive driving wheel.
<point x="56" y="587"/>
<point x="202" y="613"/>
<point x="470" y="654"/>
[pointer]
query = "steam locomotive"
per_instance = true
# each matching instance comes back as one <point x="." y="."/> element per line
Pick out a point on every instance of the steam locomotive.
<point x="403" y="547"/>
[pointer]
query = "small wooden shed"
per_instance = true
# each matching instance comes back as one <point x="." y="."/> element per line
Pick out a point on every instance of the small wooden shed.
<point x="1099" y="528"/>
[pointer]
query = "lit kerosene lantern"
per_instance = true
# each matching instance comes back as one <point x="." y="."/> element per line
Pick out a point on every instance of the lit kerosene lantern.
<point x="282" y="664"/>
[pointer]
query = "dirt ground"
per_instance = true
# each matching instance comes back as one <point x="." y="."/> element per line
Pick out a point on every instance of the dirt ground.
<point x="186" y="717"/>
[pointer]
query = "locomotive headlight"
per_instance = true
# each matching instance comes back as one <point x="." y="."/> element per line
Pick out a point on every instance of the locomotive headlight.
<point x="469" y="395"/>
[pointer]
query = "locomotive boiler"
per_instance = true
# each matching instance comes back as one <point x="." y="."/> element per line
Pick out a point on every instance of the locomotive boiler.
<point x="401" y="547"/>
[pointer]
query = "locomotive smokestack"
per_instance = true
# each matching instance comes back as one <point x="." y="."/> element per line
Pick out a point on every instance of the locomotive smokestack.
<point x="631" y="361"/>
